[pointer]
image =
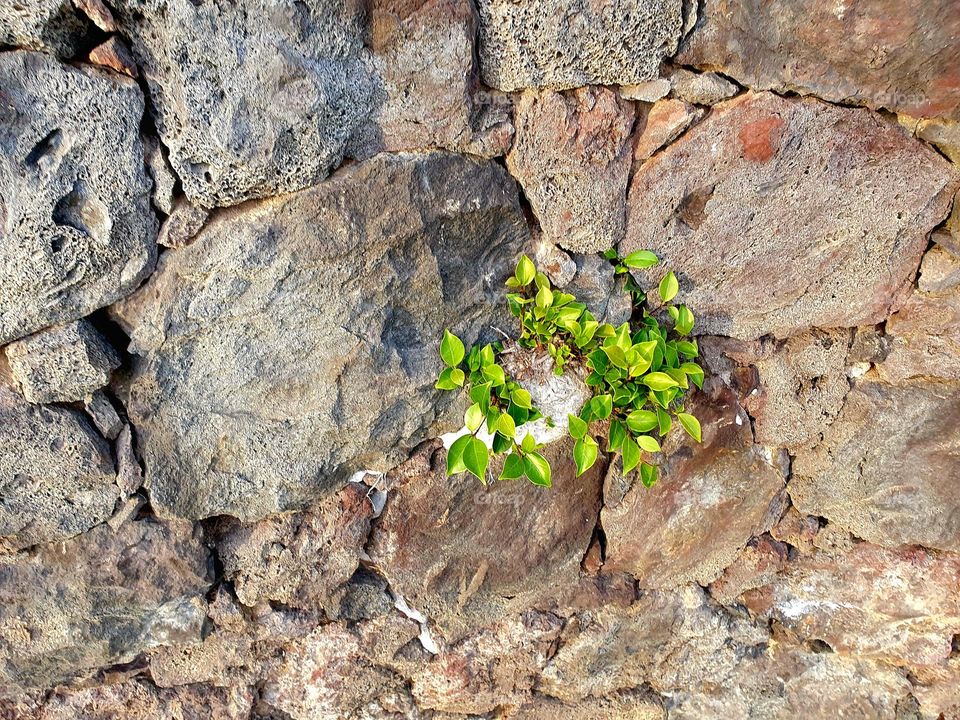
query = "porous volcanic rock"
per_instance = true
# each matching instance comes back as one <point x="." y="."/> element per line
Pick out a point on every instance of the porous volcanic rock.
<point x="56" y="473"/>
<point x="563" y="44"/>
<point x="98" y="599"/>
<point x="709" y="501"/>
<point x="78" y="231"/>
<point x="924" y="338"/>
<point x="886" y="468"/>
<point x="780" y="214"/>
<point x="294" y="341"/>
<point x="138" y="698"/>
<point x="572" y="157"/>
<point x="465" y="554"/>
<point x="894" y="54"/>
<point x="52" y="25"/>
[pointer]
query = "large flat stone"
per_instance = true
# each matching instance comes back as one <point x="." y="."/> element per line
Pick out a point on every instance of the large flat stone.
<point x="57" y="476"/>
<point x="294" y="341"/>
<point x="887" y="467"/>
<point x="780" y="214"/>
<point x="894" y="54"/>
<point x="924" y="338"/>
<point x="78" y="231"/>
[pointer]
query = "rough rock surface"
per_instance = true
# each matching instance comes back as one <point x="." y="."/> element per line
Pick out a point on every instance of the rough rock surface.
<point x="924" y="338"/>
<point x="895" y="605"/>
<point x="661" y="124"/>
<point x="940" y="270"/>
<point x="848" y="51"/>
<point x="52" y="25"/>
<point x="78" y="232"/>
<point x="64" y="363"/>
<point x="349" y="354"/>
<point x="56" y="474"/>
<point x="701" y="88"/>
<point x="70" y="608"/>
<point x="707" y="504"/>
<point x="829" y="206"/>
<point x="572" y="157"/>
<point x="569" y="43"/>
<point x="464" y="554"/>
<point x="139" y="699"/>
<point x="887" y="465"/>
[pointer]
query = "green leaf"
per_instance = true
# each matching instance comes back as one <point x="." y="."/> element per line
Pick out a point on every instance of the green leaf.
<point x="506" y="426"/>
<point x="585" y="454"/>
<point x="601" y="406"/>
<point x="544" y="297"/>
<point x="663" y="418"/>
<point x="617" y="435"/>
<point x="669" y="287"/>
<point x="512" y="467"/>
<point x="578" y="428"/>
<point x="450" y="379"/>
<point x="537" y="469"/>
<point x="473" y="417"/>
<point x="684" y="320"/>
<point x="501" y="443"/>
<point x="476" y="456"/>
<point x="694" y="372"/>
<point x="525" y="270"/>
<point x="455" y="455"/>
<point x="486" y="355"/>
<point x="641" y="421"/>
<point x="641" y="259"/>
<point x="529" y="443"/>
<point x="522" y="398"/>
<point x="648" y="444"/>
<point x="451" y="349"/>
<point x="687" y="348"/>
<point x="480" y="394"/>
<point x="648" y="474"/>
<point x="494" y="373"/>
<point x="631" y="454"/>
<point x="658" y="381"/>
<point x="691" y="425"/>
<point x="616" y="355"/>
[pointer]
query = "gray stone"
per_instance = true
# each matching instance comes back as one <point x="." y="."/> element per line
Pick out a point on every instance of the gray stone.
<point x="705" y="88"/>
<point x="572" y="157"/>
<point x="64" y="363"/>
<point x="98" y="599"/>
<point x="182" y="224"/>
<point x="564" y="44"/>
<point x="894" y="54"/>
<point x="603" y="292"/>
<point x="74" y="194"/>
<point x="886" y="468"/>
<point x="103" y="414"/>
<point x="817" y="214"/>
<point x="51" y="25"/>
<point x="275" y="367"/>
<point x="129" y="472"/>
<point x="164" y="181"/>
<point x="56" y="474"/>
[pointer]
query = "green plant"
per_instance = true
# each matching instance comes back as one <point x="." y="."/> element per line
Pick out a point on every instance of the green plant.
<point x="639" y="377"/>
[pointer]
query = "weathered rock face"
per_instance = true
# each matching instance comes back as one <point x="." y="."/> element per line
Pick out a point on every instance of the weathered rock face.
<point x="899" y="606"/>
<point x="78" y="232"/>
<point x="661" y="123"/>
<point x="924" y="338"/>
<point x="140" y="699"/>
<point x="70" y="608"/>
<point x="56" y="474"/>
<point x="886" y="468"/>
<point x="465" y="555"/>
<point x="52" y="25"/>
<point x="849" y="52"/>
<point x="709" y="501"/>
<point x="273" y="368"/>
<point x="572" y="157"/>
<point x="828" y="206"/>
<point x="64" y="363"/>
<point x="569" y="43"/>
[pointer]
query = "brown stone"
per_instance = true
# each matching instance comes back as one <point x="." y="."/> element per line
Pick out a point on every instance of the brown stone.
<point x="662" y="124"/>
<point x="183" y="223"/>
<point x="900" y="605"/>
<point x="709" y="501"/>
<point x="939" y="271"/>
<point x="886" y="468"/>
<point x="572" y="157"/>
<point x="140" y="699"/>
<point x="894" y="54"/>
<point x="757" y="565"/>
<point x="924" y="338"/>
<point x="114" y="54"/>
<point x="465" y="554"/>
<point x="781" y="214"/>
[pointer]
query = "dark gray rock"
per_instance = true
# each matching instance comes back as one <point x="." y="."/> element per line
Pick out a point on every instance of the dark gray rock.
<point x="295" y="341"/>
<point x="56" y="474"/>
<point x="64" y="363"/>
<point x="52" y="25"/>
<point x="78" y="231"/>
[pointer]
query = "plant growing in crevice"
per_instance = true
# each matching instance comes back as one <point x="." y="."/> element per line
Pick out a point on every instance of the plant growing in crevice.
<point x="639" y="377"/>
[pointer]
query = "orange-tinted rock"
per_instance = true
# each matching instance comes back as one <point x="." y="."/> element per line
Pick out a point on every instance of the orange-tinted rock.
<point x="894" y="54"/>
<point x="664" y="121"/>
<point x="709" y="501"/>
<point x="924" y="338"/>
<point x="781" y="214"/>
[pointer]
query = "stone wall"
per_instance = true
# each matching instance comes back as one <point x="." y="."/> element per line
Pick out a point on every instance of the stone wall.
<point x="231" y="234"/>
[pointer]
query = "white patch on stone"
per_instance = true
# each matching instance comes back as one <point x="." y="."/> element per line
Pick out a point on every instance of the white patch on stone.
<point x="376" y="496"/>
<point x="858" y="370"/>
<point x="426" y="639"/>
